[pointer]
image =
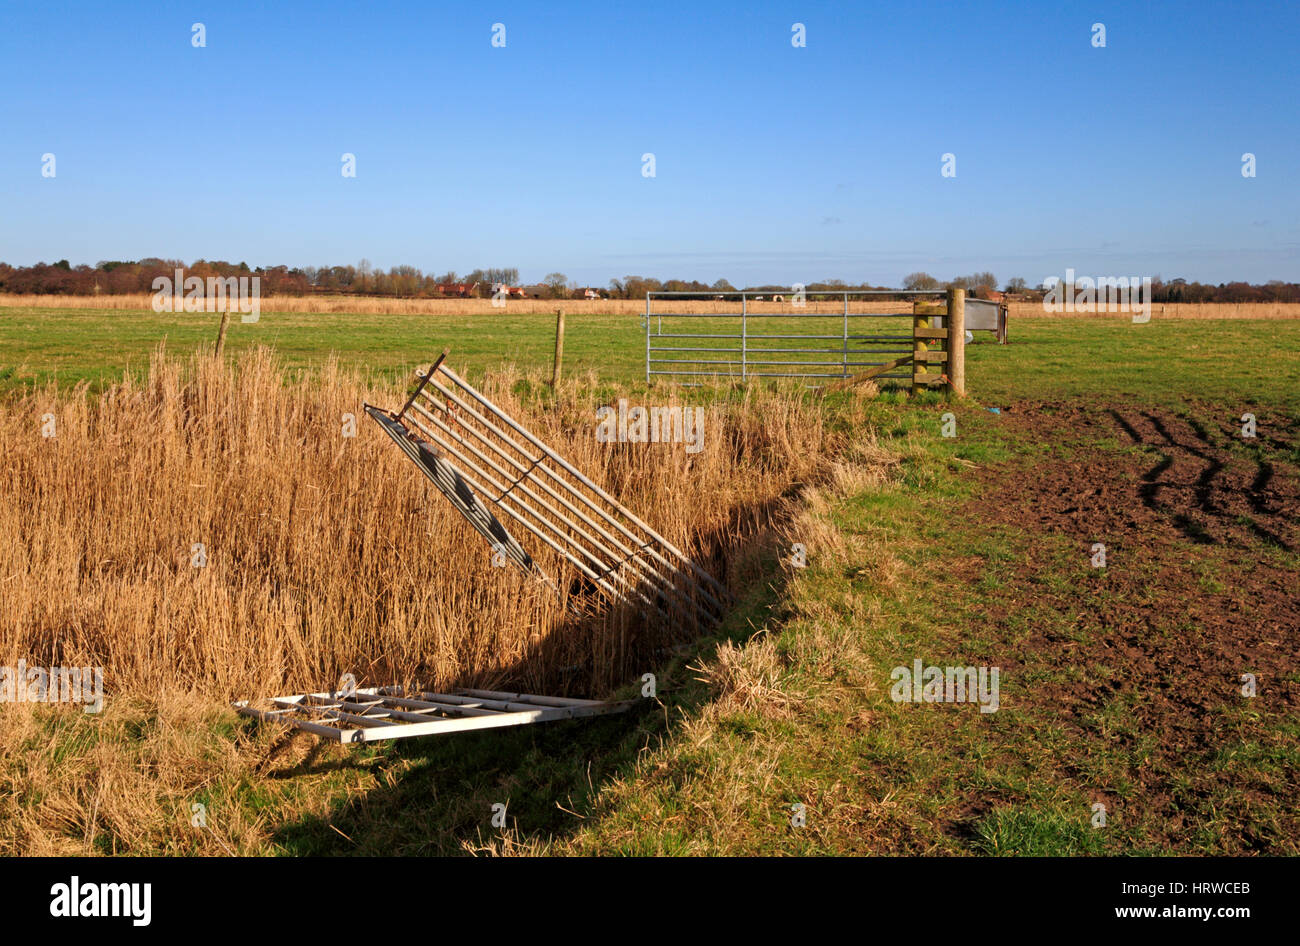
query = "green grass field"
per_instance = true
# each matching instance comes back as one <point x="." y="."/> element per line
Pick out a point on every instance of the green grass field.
<point x="1119" y="684"/>
<point x="1047" y="357"/>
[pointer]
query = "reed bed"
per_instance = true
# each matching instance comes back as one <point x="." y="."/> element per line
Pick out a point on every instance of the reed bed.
<point x="325" y="554"/>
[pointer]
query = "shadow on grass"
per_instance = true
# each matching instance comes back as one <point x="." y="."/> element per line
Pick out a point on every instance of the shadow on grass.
<point x="435" y="795"/>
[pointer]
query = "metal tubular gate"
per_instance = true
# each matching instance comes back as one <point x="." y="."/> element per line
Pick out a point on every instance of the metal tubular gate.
<point x="480" y="457"/>
<point x="375" y="713"/>
<point x="747" y="360"/>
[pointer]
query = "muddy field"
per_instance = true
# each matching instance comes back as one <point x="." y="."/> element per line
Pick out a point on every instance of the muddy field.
<point x="1200" y="528"/>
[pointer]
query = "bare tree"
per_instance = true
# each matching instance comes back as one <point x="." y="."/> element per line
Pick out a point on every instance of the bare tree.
<point x="558" y="282"/>
<point x="920" y="281"/>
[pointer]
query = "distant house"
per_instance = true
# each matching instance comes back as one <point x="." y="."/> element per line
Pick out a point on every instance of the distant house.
<point x="991" y="295"/>
<point x="591" y="294"/>
<point x="458" y="290"/>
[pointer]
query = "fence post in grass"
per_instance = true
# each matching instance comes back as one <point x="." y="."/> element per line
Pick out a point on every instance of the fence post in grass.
<point x="221" y="332"/>
<point x="956" y="322"/>
<point x="559" y="346"/>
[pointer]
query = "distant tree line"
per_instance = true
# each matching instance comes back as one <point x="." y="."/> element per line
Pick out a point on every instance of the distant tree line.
<point x="119" y="276"/>
<point x="137" y="276"/>
<point x="1174" y="290"/>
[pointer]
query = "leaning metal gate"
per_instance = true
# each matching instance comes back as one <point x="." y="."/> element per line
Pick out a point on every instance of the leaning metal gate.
<point x="697" y="336"/>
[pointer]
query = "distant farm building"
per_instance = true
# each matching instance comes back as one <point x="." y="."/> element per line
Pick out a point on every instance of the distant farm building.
<point x="458" y="290"/>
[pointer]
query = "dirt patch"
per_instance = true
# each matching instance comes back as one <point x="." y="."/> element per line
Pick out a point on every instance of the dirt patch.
<point x="1198" y="588"/>
<point x="1194" y="472"/>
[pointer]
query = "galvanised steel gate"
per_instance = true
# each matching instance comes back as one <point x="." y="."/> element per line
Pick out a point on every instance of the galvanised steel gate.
<point x="841" y="332"/>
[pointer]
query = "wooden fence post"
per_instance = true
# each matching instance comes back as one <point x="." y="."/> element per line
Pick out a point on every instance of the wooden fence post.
<point x="956" y="324"/>
<point x="221" y="332"/>
<point x="559" y="346"/>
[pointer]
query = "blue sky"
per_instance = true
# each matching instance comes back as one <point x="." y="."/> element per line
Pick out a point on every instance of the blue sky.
<point x="773" y="163"/>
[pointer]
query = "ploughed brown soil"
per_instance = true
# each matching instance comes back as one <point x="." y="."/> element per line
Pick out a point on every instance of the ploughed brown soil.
<point x="1197" y="590"/>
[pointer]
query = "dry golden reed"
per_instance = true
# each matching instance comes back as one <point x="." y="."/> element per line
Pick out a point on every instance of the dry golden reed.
<point x="327" y="554"/>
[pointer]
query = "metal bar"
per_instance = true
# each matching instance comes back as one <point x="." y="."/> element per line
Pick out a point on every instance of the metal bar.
<point x="819" y="338"/>
<point x="485" y="700"/>
<point x="434" y="726"/>
<point x="777" y="351"/>
<point x="744" y="340"/>
<point x="796" y="375"/>
<point x="765" y="351"/>
<point x="420" y="387"/>
<point x="768" y="364"/>
<point x="828" y="314"/>
<point x="783" y="364"/>
<point x="813" y="364"/>
<point x="846" y="334"/>
<point x="531" y="697"/>
<point x="691" y="361"/>
<point x="752" y="336"/>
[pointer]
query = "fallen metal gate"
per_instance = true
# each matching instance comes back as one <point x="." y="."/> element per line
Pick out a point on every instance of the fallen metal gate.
<point x="375" y="713"/>
<point x="839" y="336"/>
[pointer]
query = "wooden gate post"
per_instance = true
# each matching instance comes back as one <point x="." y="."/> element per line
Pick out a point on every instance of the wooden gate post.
<point x="920" y="320"/>
<point x="956" y="324"/>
